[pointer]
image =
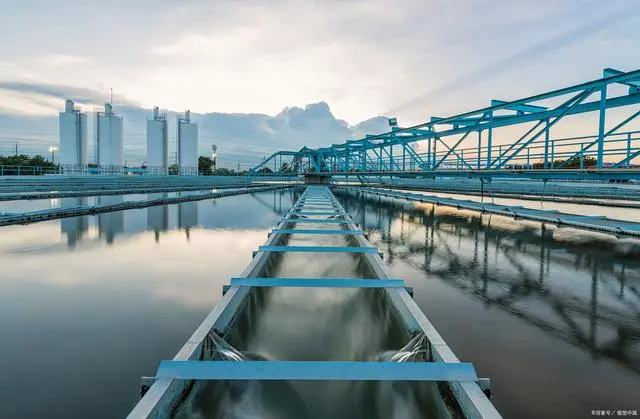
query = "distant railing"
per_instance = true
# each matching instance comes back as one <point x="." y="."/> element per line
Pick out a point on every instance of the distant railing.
<point x="70" y="170"/>
<point x="620" y="151"/>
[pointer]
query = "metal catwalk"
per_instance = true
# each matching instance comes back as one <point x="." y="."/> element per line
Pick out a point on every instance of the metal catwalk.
<point x="320" y="214"/>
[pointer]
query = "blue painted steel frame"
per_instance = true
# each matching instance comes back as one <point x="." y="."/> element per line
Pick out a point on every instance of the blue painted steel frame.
<point x="366" y="156"/>
<point x="316" y="370"/>
<point x="305" y="231"/>
<point x="318" y="282"/>
<point x="318" y="249"/>
<point x="317" y="221"/>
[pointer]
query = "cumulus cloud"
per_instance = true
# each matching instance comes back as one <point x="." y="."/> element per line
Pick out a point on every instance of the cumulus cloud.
<point x="241" y="137"/>
<point x="238" y="63"/>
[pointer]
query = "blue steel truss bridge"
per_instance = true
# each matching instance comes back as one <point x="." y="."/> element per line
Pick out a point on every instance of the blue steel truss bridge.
<point x="509" y="139"/>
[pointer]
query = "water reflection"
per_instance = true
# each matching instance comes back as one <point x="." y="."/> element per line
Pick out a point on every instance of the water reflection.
<point x="161" y="219"/>
<point x="77" y="227"/>
<point x="581" y="291"/>
<point x="520" y="298"/>
<point x="110" y="224"/>
<point x="87" y="309"/>
<point x="158" y="217"/>
<point x="188" y="216"/>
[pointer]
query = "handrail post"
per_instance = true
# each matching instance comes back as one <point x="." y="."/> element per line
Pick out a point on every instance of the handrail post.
<point x="628" y="150"/>
<point x="546" y="144"/>
<point x="479" y="147"/>
<point x="489" y="140"/>
<point x="601" y="122"/>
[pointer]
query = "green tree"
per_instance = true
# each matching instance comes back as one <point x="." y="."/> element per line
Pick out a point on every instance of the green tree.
<point x="23" y="164"/>
<point x="224" y="172"/>
<point x="205" y="166"/>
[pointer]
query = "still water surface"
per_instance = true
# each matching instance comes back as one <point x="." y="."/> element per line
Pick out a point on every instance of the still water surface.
<point x="88" y="305"/>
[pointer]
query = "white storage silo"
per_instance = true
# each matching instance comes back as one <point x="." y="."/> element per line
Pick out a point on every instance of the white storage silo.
<point x="187" y="145"/>
<point x="157" y="144"/>
<point x="73" y="152"/>
<point x="109" y="141"/>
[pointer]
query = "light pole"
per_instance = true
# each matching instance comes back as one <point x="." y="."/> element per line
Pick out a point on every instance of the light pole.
<point x="53" y="150"/>
<point x="214" y="156"/>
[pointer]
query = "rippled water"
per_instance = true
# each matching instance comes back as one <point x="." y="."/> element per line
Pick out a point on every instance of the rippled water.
<point x="88" y="305"/>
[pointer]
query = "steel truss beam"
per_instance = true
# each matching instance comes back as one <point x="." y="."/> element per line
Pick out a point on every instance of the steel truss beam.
<point x="394" y="152"/>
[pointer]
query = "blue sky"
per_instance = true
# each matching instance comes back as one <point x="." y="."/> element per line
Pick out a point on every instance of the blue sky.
<point x="410" y="58"/>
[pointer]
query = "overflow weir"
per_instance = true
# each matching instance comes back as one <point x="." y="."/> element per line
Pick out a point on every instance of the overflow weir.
<point x="585" y="222"/>
<point x="407" y="368"/>
<point x="66" y="212"/>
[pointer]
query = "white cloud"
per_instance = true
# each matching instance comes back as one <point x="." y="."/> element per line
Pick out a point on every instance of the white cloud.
<point x="28" y="103"/>
<point x="362" y="57"/>
<point x="62" y="60"/>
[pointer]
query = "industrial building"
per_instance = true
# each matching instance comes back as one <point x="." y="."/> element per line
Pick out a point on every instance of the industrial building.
<point x="157" y="144"/>
<point x="73" y="153"/>
<point x="109" y="141"/>
<point x="187" y="146"/>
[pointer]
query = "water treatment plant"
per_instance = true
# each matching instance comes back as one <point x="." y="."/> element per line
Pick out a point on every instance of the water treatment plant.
<point x="433" y="270"/>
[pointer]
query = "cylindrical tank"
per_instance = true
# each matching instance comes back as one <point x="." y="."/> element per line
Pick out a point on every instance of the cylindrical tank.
<point x="187" y="146"/>
<point x="157" y="144"/>
<point x="72" y="151"/>
<point x="109" y="141"/>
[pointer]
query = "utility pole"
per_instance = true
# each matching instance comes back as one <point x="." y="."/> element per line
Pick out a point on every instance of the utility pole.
<point x="16" y="148"/>
<point x="238" y="168"/>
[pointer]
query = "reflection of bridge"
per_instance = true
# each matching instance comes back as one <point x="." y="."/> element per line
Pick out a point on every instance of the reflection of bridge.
<point x="472" y="144"/>
<point x="596" y="307"/>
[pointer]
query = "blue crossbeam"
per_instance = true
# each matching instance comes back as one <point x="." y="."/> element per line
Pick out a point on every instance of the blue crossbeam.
<point x="316" y="371"/>
<point x="318" y="213"/>
<point x="317" y="221"/>
<point x="317" y="200"/>
<point x="304" y="231"/>
<point x="294" y="209"/>
<point x="311" y="205"/>
<point x="318" y="249"/>
<point x="318" y="282"/>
